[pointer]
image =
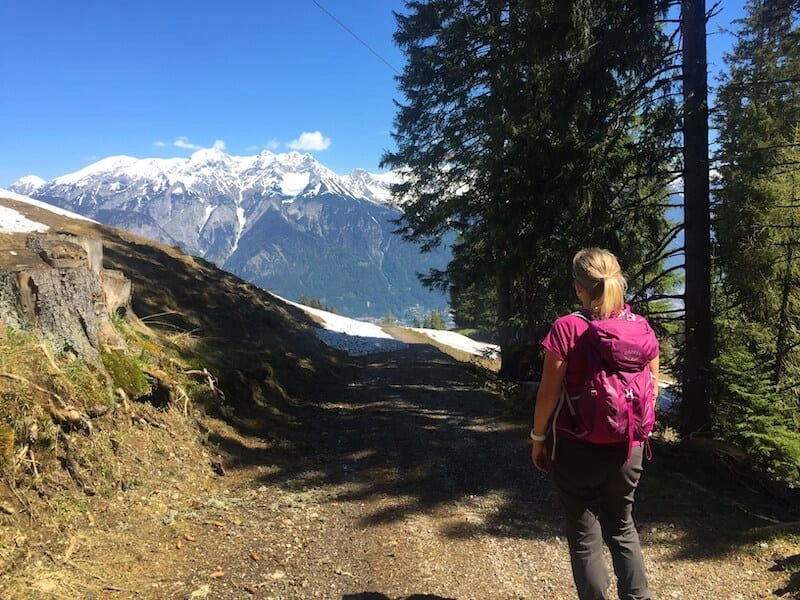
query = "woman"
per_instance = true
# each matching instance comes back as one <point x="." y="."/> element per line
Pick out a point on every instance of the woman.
<point x="595" y="483"/>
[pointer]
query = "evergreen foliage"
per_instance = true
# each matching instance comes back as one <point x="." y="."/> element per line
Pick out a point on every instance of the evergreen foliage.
<point x="531" y="129"/>
<point x="316" y="303"/>
<point x="750" y="411"/>
<point x="758" y="238"/>
<point x="434" y="320"/>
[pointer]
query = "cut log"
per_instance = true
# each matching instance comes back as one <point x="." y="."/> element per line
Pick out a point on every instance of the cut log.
<point x="59" y="291"/>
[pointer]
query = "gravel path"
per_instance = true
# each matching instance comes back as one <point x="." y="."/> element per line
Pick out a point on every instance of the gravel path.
<point x="417" y="484"/>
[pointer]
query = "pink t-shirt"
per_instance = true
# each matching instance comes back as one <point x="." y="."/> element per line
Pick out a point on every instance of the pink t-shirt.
<point x="567" y="342"/>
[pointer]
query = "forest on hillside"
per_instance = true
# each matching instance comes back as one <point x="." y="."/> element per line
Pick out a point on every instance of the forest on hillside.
<point x="529" y="129"/>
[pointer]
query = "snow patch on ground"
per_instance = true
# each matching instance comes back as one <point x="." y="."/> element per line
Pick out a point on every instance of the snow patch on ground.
<point x="13" y="222"/>
<point x="357" y="338"/>
<point x="354" y="337"/>
<point x="359" y="345"/>
<point x="54" y="209"/>
<point x="461" y="342"/>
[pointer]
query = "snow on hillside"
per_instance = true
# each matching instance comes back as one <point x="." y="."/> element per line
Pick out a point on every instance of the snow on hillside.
<point x="53" y="209"/>
<point x="354" y="337"/>
<point x="462" y="342"/>
<point x="12" y="221"/>
<point x="357" y="338"/>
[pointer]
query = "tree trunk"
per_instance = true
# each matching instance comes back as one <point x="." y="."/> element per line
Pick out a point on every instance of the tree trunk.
<point x="57" y="288"/>
<point x="509" y="354"/>
<point x="695" y="407"/>
<point x="783" y="325"/>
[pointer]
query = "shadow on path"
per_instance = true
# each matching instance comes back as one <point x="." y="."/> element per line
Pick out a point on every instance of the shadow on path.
<point x="419" y="429"/>
<point x="416" y="431"/>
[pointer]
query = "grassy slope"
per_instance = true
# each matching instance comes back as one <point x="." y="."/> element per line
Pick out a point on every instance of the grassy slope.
<point x="222" y="358"/>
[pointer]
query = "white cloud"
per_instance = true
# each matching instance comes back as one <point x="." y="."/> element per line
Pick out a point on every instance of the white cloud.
<point x="271" y="145"/>
<point x="310" y="140"/>
<point x="183" y="142"/>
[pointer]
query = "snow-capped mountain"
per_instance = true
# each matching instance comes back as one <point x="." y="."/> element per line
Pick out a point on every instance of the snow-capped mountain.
<point x="282" y="221"/>
<point x="28" y="184"/>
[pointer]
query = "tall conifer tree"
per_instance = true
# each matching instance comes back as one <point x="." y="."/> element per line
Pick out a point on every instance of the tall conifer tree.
<point x="758" y="238"/>
<point x="530" y="129"/>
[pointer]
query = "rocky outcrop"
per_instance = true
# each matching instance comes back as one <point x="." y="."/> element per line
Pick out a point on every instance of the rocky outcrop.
<point x="56" y="287"/>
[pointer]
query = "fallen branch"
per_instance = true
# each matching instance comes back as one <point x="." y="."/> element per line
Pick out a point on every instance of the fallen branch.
<point x="50" y="358"/>
<point x="72" y="418"/>
<point x="185" y="397"/>
<point x="72" y="465"/>
<point x="209" y="379"/>
<point x="742" y="508"/>
<point x="33" y="464"/>
<point x="767" y="530"/>
<point x="62" y="413"/>
<point x="22" y="455"/>
<point x="154" y="423"/>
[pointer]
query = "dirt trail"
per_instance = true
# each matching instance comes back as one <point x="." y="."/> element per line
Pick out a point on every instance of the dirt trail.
<point x="417" y="484"/>
<point x="414" y="483"/>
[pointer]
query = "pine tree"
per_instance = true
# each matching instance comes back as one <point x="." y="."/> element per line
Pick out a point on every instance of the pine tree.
<point x="757" y="224"/>
<point x="437" y="321"/>
<point x="532" y="129"/>
<point x="751" y="411"/>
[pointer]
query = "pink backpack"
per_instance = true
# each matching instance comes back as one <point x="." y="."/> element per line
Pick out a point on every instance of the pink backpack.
<point x="617" y="402"/>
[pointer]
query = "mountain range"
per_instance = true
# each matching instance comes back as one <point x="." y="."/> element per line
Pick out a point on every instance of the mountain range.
<point x="284" y="222"/>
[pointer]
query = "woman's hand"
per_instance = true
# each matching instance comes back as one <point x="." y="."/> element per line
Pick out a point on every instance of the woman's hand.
<point x="539" y="456"/>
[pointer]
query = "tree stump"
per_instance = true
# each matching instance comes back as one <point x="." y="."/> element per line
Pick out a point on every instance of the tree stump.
<point x="56" y="287"/>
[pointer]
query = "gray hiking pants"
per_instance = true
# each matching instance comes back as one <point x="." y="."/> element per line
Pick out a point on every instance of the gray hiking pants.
<point x="596" y="488"/>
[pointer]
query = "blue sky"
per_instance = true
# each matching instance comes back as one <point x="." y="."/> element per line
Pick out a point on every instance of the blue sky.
<point x="86" y="79"/>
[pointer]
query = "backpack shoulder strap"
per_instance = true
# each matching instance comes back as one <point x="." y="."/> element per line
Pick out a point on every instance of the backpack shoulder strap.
<point x="582" y="315"/>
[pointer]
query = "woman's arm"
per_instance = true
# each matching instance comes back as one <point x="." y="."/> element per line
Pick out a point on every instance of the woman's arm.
<point x="546" y="401"/>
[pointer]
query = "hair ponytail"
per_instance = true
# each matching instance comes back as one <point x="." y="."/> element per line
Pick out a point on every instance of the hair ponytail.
<point x="598" y="272"/>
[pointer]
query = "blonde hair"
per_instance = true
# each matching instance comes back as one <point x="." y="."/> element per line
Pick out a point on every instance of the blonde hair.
<point x="598" y="272"/>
